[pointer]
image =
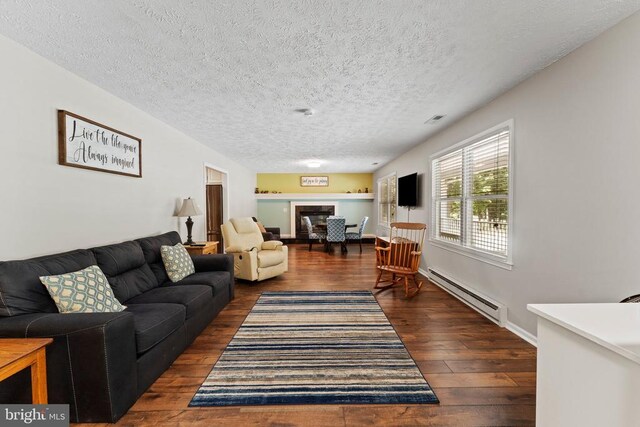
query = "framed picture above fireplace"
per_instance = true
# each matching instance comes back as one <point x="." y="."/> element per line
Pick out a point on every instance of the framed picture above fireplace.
<point x="314" y="181"/>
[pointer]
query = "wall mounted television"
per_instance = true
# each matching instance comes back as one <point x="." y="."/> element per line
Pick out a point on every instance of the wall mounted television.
<point x="408" y="190"/>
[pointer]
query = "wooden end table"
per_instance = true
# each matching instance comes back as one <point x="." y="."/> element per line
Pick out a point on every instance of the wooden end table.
<point x="207" y="249"/>
<point x="17" y="354"/>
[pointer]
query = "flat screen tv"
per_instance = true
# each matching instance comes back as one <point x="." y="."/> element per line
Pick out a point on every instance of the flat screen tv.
<point x="408" y="190"/>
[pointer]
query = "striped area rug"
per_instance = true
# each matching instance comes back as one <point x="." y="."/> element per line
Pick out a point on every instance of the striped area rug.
<point x="314" y="348"/>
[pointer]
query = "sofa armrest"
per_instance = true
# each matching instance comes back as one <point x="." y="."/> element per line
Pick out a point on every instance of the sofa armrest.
<point x="221" y="262"/>
<point x="271" y="245"/>
<point x="91" y="364"/>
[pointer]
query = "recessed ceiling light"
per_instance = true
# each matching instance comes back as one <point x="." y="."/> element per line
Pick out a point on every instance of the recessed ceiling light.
<point x="435" y="119"/>
<point x="314" y="163"/>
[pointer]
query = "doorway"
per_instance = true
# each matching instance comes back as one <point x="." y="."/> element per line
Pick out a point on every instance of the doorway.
<point x="215" y="183"/>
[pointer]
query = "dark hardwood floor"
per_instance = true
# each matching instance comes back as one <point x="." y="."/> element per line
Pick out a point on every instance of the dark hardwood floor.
<point x="483" y="374"/>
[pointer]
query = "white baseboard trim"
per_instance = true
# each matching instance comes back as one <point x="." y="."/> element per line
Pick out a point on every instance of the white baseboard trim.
<point x="480" y="312"/>
<point x="528" y="337"/>
<point x="512" y="327"/>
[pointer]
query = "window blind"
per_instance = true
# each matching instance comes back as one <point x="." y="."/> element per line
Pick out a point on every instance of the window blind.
<point x="471" y="194"/>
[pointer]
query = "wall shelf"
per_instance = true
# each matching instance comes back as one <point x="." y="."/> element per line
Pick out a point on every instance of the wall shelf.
<point x="315" y="196"/>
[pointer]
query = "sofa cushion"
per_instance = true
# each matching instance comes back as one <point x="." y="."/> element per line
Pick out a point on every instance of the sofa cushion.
<point x="218" y="281"/>
<point x="83" y="291"/>
<point x="125" y="266"/>
<point x="177" y="262"/>
<point x="151" y="250"/>
<point x="268" y="258"/>
<point x="192" y="297"/>
<point x="21" y="291"/>
<point x="154" y="322"/>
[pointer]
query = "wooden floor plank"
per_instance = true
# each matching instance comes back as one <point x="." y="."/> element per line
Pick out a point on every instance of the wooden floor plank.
<point x="494" y="415"/>
<point x="457" y="396"/>
<point x="523" y="379"/>
<point x="482" y="374"/>
<point x="493" y="365"/>
<point x="482" y="379"/>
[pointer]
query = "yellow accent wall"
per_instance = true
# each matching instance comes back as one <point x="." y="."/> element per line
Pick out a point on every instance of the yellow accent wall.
<point x="338" y="182"/>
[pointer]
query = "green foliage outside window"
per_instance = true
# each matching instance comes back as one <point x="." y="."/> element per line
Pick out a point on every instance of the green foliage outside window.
<point x="487" y="182"/>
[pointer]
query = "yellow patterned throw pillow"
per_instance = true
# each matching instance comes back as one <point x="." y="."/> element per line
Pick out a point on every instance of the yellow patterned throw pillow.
<point x="84" y="291"/>
<point x="177" y="262"/>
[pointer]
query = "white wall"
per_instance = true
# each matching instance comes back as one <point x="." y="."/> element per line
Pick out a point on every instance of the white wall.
<point x="46" y="208"/>
<point x="577" y="180"/>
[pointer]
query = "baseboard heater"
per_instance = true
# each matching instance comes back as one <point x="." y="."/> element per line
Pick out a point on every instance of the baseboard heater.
<point x="490" y="308"/>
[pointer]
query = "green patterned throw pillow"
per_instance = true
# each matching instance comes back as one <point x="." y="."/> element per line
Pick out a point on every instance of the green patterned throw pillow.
<point x="84" y="291"/>
<point x="177" y="262"/>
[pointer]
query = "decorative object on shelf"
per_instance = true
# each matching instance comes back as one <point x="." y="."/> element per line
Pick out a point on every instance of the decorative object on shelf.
<point x="257" y="190"/>
<point x="314" y="181"/>
<point x="348" y="192"/>
<point x="189" y="208"/>
<point x="359" y="190"/>
<point x="83" y="143"/>
<point x="366" y="189"/>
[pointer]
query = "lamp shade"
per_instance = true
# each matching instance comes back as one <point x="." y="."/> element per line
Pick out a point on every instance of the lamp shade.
<point x="189" y="208"/>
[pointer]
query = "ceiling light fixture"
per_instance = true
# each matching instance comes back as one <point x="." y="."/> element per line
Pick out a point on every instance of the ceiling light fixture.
<point x="314" y="163"/>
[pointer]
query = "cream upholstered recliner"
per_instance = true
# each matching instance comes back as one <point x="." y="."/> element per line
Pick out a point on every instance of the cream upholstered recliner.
<point x="254" y="259"/>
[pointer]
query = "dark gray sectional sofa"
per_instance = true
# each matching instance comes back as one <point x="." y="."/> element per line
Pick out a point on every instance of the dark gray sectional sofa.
<point x="100" y="363"/>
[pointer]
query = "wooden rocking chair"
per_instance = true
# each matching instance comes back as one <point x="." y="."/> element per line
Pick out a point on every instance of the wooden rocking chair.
<point x="398" y="256"/>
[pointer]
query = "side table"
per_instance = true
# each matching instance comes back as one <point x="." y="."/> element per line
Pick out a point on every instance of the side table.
<point x="208" y="248"/>
<point x="17" y="354"/>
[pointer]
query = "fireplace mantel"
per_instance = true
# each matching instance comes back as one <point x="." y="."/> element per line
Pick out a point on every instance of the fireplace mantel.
<point x="314" y="196"/>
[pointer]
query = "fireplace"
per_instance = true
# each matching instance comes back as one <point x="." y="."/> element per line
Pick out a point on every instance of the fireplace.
<point x="316" y="213"/>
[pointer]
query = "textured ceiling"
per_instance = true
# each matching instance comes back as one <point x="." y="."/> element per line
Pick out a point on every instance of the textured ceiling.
<point x="232" y="73"/>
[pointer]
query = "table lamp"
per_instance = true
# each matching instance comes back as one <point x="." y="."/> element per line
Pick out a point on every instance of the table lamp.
<point x="189" y="208"/>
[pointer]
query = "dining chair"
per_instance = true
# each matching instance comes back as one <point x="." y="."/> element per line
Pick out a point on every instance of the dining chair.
<point x="398" y="258"/>
<point x="336" y="232"/>
<point x="358" y="235"/>
<point x="312" y="235"/>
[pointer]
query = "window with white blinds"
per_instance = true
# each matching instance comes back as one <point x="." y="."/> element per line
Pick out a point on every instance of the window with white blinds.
<point x="472" y="193"/>
<point x="387" y="200"/>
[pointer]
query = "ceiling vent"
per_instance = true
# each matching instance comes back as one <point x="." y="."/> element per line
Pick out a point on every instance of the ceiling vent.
<point x="306" y="111"/>
<point x="435" y="119"/>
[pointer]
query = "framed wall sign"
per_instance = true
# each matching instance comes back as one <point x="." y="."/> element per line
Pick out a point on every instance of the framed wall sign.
<point x="314" y="181"/>
<point x="83" y="143"/>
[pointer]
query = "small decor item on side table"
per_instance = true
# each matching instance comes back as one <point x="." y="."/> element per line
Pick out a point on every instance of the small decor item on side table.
<point x="189" y="208"/>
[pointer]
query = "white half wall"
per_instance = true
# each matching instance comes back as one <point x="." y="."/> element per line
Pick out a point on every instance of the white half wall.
<point x="577" y="179"/>
<point x="47" y="208"/>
